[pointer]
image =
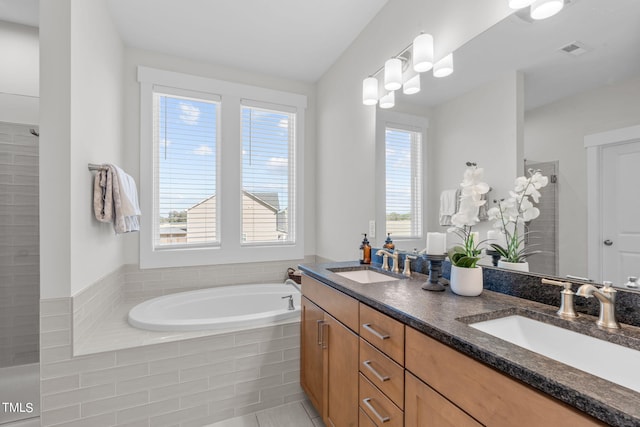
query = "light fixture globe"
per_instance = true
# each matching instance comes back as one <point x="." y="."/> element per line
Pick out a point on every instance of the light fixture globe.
<point x="393" y="74"/>
<point x="370" y="91"/>
<point x="543" y="9"/>
<point x="412" y="85"/>
<point x="444" y="67"/>
<point x="423" y="53"/>
<point x="388" y="100"/>
<point x="519" y="4"/>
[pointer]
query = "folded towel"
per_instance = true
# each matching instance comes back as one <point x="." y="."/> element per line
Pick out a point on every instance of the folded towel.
<point x="448" y="205"/>
<point x="115" y="199"/>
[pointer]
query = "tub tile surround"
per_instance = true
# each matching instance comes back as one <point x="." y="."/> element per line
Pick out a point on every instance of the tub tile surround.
<point x="97" y="370"/>
<point x="442" y="316"/>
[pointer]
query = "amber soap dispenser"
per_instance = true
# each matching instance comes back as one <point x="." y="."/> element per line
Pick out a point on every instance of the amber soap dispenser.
<point x="365" y="251"/>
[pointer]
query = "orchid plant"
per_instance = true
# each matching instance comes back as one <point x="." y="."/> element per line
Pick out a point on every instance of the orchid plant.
<point x="472" y="189"/>
<point x="511" y="215"/>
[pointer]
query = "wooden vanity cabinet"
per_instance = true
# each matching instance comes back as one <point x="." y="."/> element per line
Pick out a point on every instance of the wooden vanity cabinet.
<point x="486" y="395"/>
<point x="329" y="353"/>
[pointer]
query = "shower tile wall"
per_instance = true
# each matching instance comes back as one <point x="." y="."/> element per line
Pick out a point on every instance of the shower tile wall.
<point x="19" y="245"/>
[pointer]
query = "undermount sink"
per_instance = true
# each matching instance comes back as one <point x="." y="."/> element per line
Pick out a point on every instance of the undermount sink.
<point x="366" y="276"/>
<point x="606" y="360"/>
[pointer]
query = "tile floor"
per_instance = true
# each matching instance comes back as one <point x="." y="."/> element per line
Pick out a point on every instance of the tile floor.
<point x="295" y="414"/>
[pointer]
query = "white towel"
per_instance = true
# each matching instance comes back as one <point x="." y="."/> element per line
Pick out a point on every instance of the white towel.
<point x="129" y="207"/>
<point x="448" y="205"/>
<point x="115" y="199"/>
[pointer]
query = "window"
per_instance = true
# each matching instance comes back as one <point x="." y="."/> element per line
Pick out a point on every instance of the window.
<point x="219" y="175"/>
<point x="268" y="141"/>
<point x="400" y="200"/>
<point x="403" y="182"/>
<point x="185" y="165"/>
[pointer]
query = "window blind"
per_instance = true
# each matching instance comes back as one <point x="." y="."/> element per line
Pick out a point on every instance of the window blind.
<point x="403" y="180"/>
<point x="185" y="169"/>
<point x="268" y="183"/>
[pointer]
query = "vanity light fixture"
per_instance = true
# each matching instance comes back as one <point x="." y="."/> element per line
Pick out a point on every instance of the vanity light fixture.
<point x="403" y="71"/>
<point x="543" y="9"/>
<point x="444" y="67"/>
<point x="393" y="74"/>
<point x="388" y="100"/>
<point x="370" y="91"/>
<point x="540" y="9"/>
<point x="423" y="53"/>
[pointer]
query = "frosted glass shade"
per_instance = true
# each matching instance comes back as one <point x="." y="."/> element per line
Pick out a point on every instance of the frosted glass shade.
<point x="388" y="100"/>
<point x="543" y="9"/>
<point x="411" y="85"/>
<point x="370" y="91"/>
<point x="393" y="74"/>
<point x="519" y="4"/>
<point x="423" y="53"/>
<point x="444" y="67"/>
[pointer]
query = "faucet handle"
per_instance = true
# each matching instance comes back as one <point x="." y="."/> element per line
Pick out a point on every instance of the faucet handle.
<point x="566" y="309"/>
<point x="566" y="285"/>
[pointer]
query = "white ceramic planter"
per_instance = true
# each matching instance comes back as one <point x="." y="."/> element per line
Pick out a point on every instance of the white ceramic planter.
<point x="517" y="266"/>
<point x="466" y="281"/>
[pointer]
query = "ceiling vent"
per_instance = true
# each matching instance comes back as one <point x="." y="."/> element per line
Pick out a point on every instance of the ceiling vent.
<point x="575" y="49"/>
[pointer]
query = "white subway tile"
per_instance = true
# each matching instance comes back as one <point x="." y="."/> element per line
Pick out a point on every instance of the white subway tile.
<point x="234" y="402"/>
<point x="180" y="362"/>
<point x="212" y="395"/>
<point x="103" y="420"/>
<point x="234" y="377"/>
<point x="60" y="384"/>
<point x="76" y="365"/>
<point x="147" y="382"/>
<point x="258" y="360"/>
<point x="199" y="345"/>
<point x="258" y="384"/>
<point x="68" y="398"/>
<point x="280" y="344"/>
<point x="147" y="410"/>
<point x="177" y="390"/>
<point x="60" y="415"/>
<point x="148" y="353"/>
<point x="279" y="368"/>
<point x="113" y="374"/>
<point x="203" y="371"/>
<point x="115" y="403"/>
<point x="258" y="335"/>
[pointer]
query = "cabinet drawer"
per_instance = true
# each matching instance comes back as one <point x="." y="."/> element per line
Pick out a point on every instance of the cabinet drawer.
<point x="364" y="420"/>
<point x="426" y="408"/>
<point x="378" y="407"/>
<point x="340" y="306"/>
<point x="382" y="332"/>
<point x="383" y="372"/>
<point x="489" y="396"/>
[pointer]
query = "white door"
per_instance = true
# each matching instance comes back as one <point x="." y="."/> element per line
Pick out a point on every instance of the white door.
<point x="620" y="204"/>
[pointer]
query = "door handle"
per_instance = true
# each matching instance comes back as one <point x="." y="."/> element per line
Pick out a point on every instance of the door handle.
<point x="608" y="242"/>
<point x="319" y="331"/>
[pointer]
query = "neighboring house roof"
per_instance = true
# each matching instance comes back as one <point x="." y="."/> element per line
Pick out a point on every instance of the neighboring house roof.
<point x="269" y="200"/>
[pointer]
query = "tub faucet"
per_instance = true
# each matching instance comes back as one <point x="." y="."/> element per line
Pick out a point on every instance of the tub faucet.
<point x="293" y="283"/>
<point x="291" y="306"/>
<point x="607" y="298"/>
<point x="393" y="256"/>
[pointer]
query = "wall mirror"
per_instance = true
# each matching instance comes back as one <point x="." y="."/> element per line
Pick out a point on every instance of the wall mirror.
<point x="575" y="74"/>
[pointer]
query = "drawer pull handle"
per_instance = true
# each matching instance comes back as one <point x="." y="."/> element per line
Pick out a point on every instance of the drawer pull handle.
<point x="325" y="326"/>
<point x="367" y="403"/>
<point x="367" y="364"/>
<point x="369" y="328"/>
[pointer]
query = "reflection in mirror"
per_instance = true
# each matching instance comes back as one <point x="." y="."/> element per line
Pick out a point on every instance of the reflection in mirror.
<point x="526" y="94"/>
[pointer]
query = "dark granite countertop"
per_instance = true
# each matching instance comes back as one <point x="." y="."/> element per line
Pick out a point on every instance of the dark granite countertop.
<point x="445" y="317"/>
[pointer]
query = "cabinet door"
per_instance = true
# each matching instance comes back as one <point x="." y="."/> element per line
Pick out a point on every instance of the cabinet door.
<point x="426" y="408"/>
<point x="342" y="374"/>
<point x="311" y="353"/>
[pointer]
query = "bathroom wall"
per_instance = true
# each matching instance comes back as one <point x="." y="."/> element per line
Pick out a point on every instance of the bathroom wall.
<point x="556" y="132"/>
<point x="81" y="123"/>
<point x="482" y="126"/>
<point x="19" y="84"/>
<point x="345" y="149"/>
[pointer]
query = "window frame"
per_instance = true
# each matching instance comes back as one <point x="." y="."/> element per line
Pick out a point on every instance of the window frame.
<point x="401" y="121"/>
<point x="228" y="188"/>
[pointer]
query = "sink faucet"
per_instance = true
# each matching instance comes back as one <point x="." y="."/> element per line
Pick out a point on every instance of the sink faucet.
<point x="393" y="256"/>
<point x="607" y="298"/>
<point x="566" y="302"/>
